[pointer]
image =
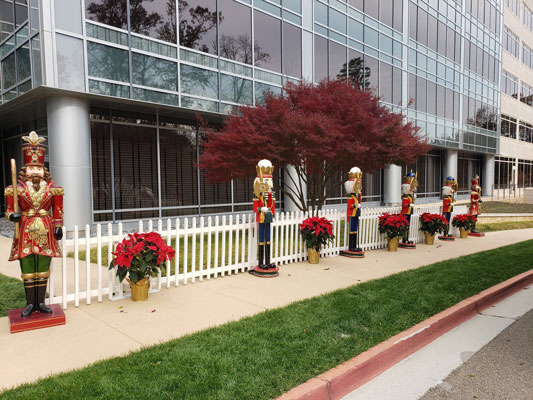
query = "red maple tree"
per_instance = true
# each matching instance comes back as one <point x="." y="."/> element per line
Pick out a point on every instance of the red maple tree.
<point x="321" y="130"/>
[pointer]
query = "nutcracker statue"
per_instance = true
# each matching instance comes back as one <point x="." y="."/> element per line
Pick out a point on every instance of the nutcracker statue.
<point x="28" y="204"/>
<point x="264" y="209"/>
<point x="448" y="201"/>
<point x="409" y="186"/>
<point x="353" y="187"/>
<point x="475" y="207"/>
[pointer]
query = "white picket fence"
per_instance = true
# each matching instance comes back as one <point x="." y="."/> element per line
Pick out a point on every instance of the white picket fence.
<point x="206" y="248"/>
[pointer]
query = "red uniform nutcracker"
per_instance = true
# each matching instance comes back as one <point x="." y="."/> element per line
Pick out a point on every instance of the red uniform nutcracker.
<point x="475" y="207"/>
<point x="40" y="222"/>
<point x="353" y="187"/>
<point x="264" y="209"/>
<point x="448" y="201"/>
<point x="409" y="187"/>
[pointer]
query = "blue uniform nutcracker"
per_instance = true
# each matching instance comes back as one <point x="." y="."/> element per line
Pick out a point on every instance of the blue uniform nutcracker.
<point x="353" y="187"/>
<point x="409" y="186"/>
<point x="264" y="209"/>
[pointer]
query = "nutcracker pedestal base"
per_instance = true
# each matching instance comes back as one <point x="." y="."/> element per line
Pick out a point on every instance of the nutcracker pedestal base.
<point x="36" y="320"/>
<point x="353" y="254"/>
<point x="447" y="238"/>
<point x="407" y="245"/>
<point x="476" y="234"/>
<point x="264" y="273"/>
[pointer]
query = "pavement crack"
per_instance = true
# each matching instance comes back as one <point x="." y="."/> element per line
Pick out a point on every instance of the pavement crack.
<point x="112" y="327"/>
<point x="498" y="316"/>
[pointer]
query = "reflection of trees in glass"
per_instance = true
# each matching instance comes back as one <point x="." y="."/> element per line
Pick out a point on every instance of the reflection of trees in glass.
<point x="358" y="73"/>
<point x="108" y="62"/>
<point x="155" y="72"/>
<point x="199" y="81"/>
<point x="485" y="118"/>
<point x="109" y="12"/>
<point x="199" y="23"/>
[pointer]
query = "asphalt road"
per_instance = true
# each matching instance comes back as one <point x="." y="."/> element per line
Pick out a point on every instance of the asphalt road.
<point x="503" y="369"/>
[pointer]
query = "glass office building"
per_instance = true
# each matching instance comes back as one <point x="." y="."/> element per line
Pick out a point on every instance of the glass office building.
<point x="116" y="86"/>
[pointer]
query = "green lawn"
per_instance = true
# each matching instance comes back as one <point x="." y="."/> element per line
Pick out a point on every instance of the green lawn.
<point x="11" y="294"/>
<point x="499" y="207"/>
<point x="263" y="356"/>
<point x="504" y="226"/>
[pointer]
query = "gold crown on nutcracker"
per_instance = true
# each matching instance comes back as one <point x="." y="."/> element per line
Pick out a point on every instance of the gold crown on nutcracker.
<point x="475" y="180"/>
<point x="33" y="150"/>
<point x="355" y="173"/>
<point x="264" y="167"/>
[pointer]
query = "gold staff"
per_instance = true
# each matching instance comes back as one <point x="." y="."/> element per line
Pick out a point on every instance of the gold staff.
<point x="15" y="194"/>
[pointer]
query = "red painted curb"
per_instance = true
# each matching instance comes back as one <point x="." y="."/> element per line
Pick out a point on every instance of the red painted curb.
<point x="345" y="378"/>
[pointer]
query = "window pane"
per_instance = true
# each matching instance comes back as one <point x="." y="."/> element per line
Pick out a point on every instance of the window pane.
<point x="420" y="94"/>
<point x="449" y="104"/>
<point x="321" y="13"/>
<point x="450" y="43"/>
<point x="154" y="18"/>
<point x="108" y="62"/>
<point x="337" y="20"/>
<point x="385" y="82"/>
<point x="356" y="69"/>
<point x="432" y="33"/>
<point x="385" y="11"/>
<point x="337" y="61"/>
<point x="235" y="32"/>
<point x="155" y="72"/>
<point x="413" y="13"/>
<point x="6" y="18"/>
<point x="23" y="62"/>
<point x="292" y="50"/>
<point x="267" y="41"/>
<point x="372" y="66"/>
<point x="397" y="86"/>
<point x="262" y="89"/>
<point x="21" y="11"/>
<point x="441" y="44"/>
<point x="198" y="24"/>
<point x="70" y="63"/>
<point x="199" y="82"/>
<point x="441" y="93"/>
<point x="36" y="60"/>
<point x="236" y="90"/>
<point x="100" y="11"/>
<point x="432" y="98"/>
<point x="411" y="91"/>
<point x="9" y="75"/>
<point x="371" y="8"/>
<point x="68" y="15"/>
<point x="398" y="15"/>
<point x="422" y="30"/>
<point x="321" y="58"/>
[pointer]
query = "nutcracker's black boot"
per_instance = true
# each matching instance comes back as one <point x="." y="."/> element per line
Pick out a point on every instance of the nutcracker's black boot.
<point x="355" y="243"/>
<point x="474" y="228"/>
<point x="40" y="291"/>
<point x="29" y="287"/>
<point x="260" y="255"/>
<point x="267" y="258"/>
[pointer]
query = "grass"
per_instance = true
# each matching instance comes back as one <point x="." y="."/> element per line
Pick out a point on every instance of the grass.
<point x="500" y="207"/>
<point x="504" y="226"/>
<point x="11" y="294"/>
<point x="263" y="356"/>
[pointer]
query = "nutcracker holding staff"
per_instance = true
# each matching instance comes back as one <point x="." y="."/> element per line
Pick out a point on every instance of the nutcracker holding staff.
<point x="35" y="204"/>
<point x="353" y="187"/>
<point x="409" y="186"/>
<point x="475" y="207"/>
<point x="448" y="201"/>
<point x="264" y="209"/>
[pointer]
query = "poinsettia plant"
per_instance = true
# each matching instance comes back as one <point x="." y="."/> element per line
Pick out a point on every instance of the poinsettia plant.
<point x="433" y="223"/>
<point x="141" y="255"/>
<point x="393" y="225"/>
<point x="465" y="221"/>
<point x="317" y="232"/>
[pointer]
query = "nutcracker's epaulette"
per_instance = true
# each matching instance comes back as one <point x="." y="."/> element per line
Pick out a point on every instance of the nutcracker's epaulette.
<point x="8" y="191"/>
<point x="57" y="191"/>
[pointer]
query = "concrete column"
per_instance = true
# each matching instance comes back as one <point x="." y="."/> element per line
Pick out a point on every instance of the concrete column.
<point x="392" y="187"/>
<point x="69" y="144"/>
<point x="489" y="165"/>
<point x="450" y="163"/>
<point x="290" y="206"/>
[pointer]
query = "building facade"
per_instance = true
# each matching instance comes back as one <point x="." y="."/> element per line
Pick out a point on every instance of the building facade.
<point x="514" y="164"/>
<point x="115" y="85"/>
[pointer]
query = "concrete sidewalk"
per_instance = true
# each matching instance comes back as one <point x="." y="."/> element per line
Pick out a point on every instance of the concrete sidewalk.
<point x="107" y="329"/>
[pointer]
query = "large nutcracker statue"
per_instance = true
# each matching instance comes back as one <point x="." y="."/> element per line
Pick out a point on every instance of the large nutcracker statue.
<point x="264" y="209"/>
<point x="475" y="207"/>
<point x="353" y="187"/>
<point x="448" y="201"/>
<point x="409" y="187"/>
<point x="36" y="231"/>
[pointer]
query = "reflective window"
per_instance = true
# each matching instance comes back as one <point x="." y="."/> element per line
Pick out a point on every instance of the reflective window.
<point x="109" y="12"/>
<point x="373" y="73"/>
<point x="6" y="18"/>
<point x="372" y="8"/>
<point x="385" y="11"/>
<point x="108" y="62"/>
<point x="398" y="15"/>
<point x="357" y="72"/>
<point x="441" y="102"/>
<point x="355" y="29"/>
<point x="357" y="4"/>
<point x="413" y="13"/>
<point x="432" y="33"/>
<point x="321" y="13"/>
<point x="70" y="63"/>
<point x="432" y="98"/>
<point x="68" y="15"/>
<point x="21" y="11"/>
<point x="337" y="20"/>
<point x="422" y="27"/>
<point x="509" y="84"/>
<point x="154" y="18"/>
<point x="262" y="89"/>
<point x="385" y="82"/>
<point x="198" y="24"/>
<point x="36" y="60"/>
<point x="508" y="126"/>
<point x="321" y="58"/>
<point x="421" y="94"/>
<point x="23" y="62"/>
<point x="292" y="50"/>
<point x="441" y="38"/>
<point x="450" y="43"/>
<point x="235" y="32"/>
<point x="154" y="72"/>
<point x="199" y="82"/>
<point x="337" y="61"/>
<point x="236" y="90"/>
<point x="397" y="86"/>
<point x="449" y="104"/>
<point x="371" y="37"/>
<point x="9" y="75"/>
<point x="267" y="42"/>
<point x="510" y="42"/>
<point x="411" y="91"/>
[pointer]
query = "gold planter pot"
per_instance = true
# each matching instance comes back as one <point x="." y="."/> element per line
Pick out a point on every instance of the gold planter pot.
<point x="463" y="233"/>
<point x="313" y="256"/>
<point x="392" y="244"/>
<point x="429" y="238"/>
<point x="139" y="290"/>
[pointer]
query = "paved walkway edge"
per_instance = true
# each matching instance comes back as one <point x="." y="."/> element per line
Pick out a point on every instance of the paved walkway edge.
<point x="345" y="378"/>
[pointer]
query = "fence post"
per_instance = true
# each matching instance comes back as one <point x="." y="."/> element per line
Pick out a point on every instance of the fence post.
<point x="64" y="270"/>
<point x="99" y="260"/>
<point x="76" y="269"/>
<point x="88" y="263"/>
